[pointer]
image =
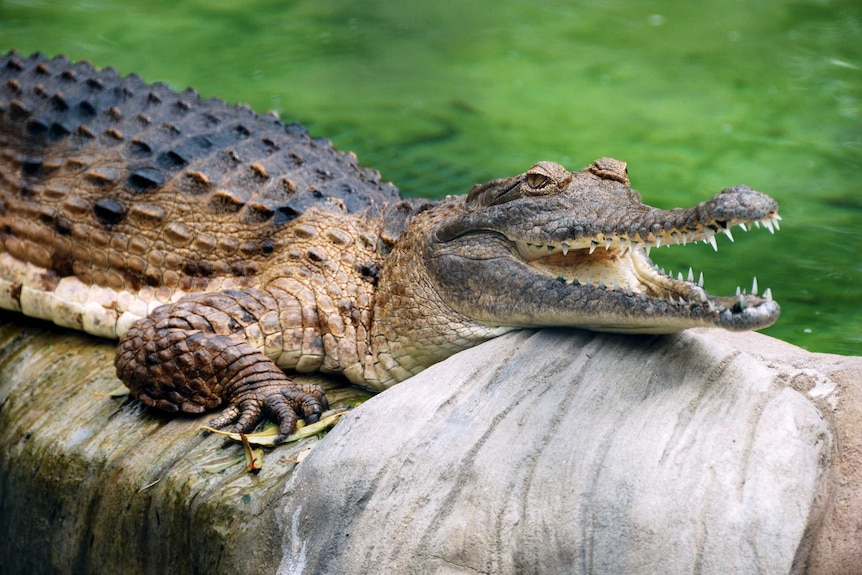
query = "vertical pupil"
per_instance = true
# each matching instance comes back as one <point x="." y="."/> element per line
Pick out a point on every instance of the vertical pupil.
<point x="537" y="181"/>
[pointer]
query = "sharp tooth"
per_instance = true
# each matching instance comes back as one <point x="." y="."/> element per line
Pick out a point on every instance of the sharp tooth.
<point x="711" y="306"/>
<point x="741" y="303"/>
<point x="690" y="275"/>
<point x="711" y="240"/>
<point x="658" y="241"/>
<point x="702" y="295"/>
<point x="683" y="301"/>
<point x="643" y="297"/>
<point x="575" y="282"/>
<point x="768" y="225"/>
<point x="561" y="279"/>
<point x="608" y="243"/>
<point x="629" y="290"/>
<point x="675" y="236"/>
<point x="616" y="285"/>
<point x="565" y="248"/>
<point x="757" y="223"/>
<point x="647" y="249"/>
<point x="601" y="284"/>
<point x="684" y="238"/>
<point x="679" y="276"/>
<point x="743" y="226"/>
<point x="728" y="234"/>
<point x="671" y="300"/>
<point x="754" y="287"/>
<point x="767" y="295"/>
<point x="700" y="280"/>
<point x="593" y="245"/>
<point x="775" y="222"/>
<point x="738" y="290"/>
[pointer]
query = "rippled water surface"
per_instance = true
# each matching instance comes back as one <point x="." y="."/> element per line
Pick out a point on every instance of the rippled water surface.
<point x="695" y="96"/>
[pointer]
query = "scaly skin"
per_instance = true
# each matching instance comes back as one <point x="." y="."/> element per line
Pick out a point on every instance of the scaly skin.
<point x="223" y="247"/>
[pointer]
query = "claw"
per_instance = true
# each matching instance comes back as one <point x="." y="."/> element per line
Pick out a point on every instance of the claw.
<point x="308" y="401"/>
<point x="284" y="403"/>
<point x="250" y="415"/>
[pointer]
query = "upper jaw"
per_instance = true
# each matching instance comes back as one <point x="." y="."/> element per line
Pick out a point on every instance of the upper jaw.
<point x="647" y="227"/>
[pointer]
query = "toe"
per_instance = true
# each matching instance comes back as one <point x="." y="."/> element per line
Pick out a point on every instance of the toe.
<point x="225" y="418"/>
<point x="250" y="415"/>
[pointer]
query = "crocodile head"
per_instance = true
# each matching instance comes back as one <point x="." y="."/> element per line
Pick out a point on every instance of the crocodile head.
<point x="552" y="247"/>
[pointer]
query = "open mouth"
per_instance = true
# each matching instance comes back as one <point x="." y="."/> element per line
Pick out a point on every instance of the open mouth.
<point x="621" y="263"/>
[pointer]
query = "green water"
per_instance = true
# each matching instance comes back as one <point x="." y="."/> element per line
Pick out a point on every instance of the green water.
<point x="695" y="96"/>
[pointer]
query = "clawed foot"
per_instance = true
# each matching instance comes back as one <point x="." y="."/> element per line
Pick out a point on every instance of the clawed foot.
<point x="284" y="403"/>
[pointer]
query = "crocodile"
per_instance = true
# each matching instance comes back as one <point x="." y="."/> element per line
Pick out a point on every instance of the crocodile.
<point x="227" y="250"/>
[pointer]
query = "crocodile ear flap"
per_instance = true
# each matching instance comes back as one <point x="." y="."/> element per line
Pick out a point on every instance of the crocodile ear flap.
<point x="494" y="192"/>
<point x="397" y="216"/>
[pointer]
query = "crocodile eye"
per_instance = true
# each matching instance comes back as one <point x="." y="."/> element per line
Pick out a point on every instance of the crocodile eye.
<point x="611" y="169"/>
<point x="546" y="178"/>
<point x="543" y="179"/>
<point x="537" y="181"/>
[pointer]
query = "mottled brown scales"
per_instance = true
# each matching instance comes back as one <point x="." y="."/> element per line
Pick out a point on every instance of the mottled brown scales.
<point x="223" y="247"/>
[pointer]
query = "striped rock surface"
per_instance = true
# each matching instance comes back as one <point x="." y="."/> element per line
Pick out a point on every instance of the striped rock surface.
<point x="557" y="451"/>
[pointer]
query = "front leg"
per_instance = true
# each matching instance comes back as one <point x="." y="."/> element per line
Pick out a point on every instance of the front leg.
<point x="191" y="356"/>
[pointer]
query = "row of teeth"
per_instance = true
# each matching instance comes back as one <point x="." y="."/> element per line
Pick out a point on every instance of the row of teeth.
<point x="770" y="223"/>
<point x="740" y="293"/>
<point x="741" y="304"/>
